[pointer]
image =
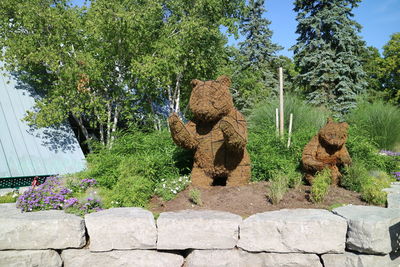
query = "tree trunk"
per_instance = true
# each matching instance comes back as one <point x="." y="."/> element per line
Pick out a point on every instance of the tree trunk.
<point x="101" y="130"/>
<point x="114" y="126"/>
<point x="108" y="122"/>
<point x="83" y="129"/>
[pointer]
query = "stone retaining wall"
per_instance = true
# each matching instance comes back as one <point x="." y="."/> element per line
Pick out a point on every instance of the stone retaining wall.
<point x="348" y="236"/>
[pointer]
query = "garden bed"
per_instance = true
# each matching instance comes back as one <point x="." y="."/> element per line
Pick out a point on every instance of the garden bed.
<point x="250" y="199"/>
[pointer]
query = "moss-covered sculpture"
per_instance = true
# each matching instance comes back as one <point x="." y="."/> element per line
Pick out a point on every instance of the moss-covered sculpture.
<point x="327" y="149"/>
<point x="217" y="134"/>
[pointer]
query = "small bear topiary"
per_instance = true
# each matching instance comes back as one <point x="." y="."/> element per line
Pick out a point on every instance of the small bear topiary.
<point x="327" y="149"/>
<point x="217" y="134"/>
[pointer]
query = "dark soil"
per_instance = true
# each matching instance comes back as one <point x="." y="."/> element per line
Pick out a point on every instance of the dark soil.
<point x="252" y="198"/>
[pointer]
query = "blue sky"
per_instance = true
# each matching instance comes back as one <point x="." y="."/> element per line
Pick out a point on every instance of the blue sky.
<point x="379" y="19"/>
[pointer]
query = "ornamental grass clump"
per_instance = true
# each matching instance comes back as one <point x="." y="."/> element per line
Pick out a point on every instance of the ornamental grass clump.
<point x="320" y="186"/>
<point x="278" y="187"/>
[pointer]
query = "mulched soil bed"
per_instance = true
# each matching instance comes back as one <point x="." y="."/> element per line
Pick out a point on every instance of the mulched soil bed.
<point x="250" y="199"/>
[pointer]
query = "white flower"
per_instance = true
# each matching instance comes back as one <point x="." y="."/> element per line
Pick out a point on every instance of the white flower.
<point x="163" y="185"/>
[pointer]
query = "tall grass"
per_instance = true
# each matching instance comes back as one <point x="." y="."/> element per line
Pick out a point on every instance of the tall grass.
<point x="305" y="116"/>
<point x="379" y="121"/>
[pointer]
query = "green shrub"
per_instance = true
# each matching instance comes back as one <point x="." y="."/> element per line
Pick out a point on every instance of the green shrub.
<point x="320" y="185"/>
<point x="364" y="151"/>
<point x="278" y="187"/>
<point x="354" y="176"/>
<point x="368" y="183"/>
<point x="195" y="196"/>
<point x="380" y="121"/>
<point x="371" y="190"/>
<point x="137" y="166"/>
<point x="130" y="191"/>
<point x="269" y="152"/>
<point x="10" y="197"/>
<point x="103" y="166"/>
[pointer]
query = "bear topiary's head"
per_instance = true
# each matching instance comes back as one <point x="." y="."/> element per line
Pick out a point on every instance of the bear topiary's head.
<point x="333" y="133"/>
<point x="211" y="100"/>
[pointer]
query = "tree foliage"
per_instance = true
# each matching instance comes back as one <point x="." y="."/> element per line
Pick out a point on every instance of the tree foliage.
<point x="112" y="63"/>
<point x="327" y="53"/>
<point x="391" y="69"/>
<point x="257" y="54"/>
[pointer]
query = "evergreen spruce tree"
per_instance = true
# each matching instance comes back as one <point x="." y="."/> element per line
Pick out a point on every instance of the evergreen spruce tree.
<point x="327" y="53"/>
<point x="258" y="51"/>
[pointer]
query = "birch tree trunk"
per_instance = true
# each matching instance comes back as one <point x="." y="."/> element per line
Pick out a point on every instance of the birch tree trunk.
<point x="114" y="125"/>
<point x="108" y="121"/>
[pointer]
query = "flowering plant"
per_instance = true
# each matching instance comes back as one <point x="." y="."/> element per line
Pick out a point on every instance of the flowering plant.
<point x="49" y="195"/>
<point x="90" y="205"/>
<point x="397" y="175"/>
<point x="168" y="188"/>
<point x="389" y="153"/>
<point x="82" y="185"/>
<point x="52" y="194"/>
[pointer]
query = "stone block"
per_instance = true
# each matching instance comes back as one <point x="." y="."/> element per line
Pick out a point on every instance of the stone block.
<point x="197" y="229"/>
<point x="371" y="230"/>
<point x="50" y="229"/>
<point x="134" y="258"/>
<point x="29" y="258"/>
<point x="238" y="258"/>
<point x="393" y="200"/>
<point x="121" y="228"/>
<point x="358" y="260"/>
<point x="294" y="230"/>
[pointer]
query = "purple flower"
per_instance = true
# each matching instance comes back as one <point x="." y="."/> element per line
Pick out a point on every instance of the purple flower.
<point x="389" y="153"/>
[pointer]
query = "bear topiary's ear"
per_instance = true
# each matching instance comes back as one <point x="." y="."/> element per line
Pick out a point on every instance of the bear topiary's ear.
<point x="224" y="80"/>
<point x="329" y="120"/>
<point x="194" y="83"/>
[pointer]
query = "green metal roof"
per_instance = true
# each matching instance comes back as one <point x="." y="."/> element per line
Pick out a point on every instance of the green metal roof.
<point x="27" y="152"/>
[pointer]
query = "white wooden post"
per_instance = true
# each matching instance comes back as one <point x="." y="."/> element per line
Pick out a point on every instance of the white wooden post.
<point x="277" y="121"/>
<point x="281" y="101"/>
<point x="290" y="129"/>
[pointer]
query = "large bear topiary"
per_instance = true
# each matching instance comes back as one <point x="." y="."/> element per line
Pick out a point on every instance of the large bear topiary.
<point x="217" y="133"/>
<point x="327" y="149"/>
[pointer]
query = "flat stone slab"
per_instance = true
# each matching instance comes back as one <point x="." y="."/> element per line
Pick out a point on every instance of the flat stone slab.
<point x="142" y="258"/>
<point x="237" y="258"/>
<point x="121" y="228"/>
<point x="294" y="230"/>
<point x="203" y="229"/>
<point x="29" y="258"/>
<point x="393" y="200"/>
<point x="50" y="229"/>
<point x="371" y="230"/>
<point x="356" y="260"/>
